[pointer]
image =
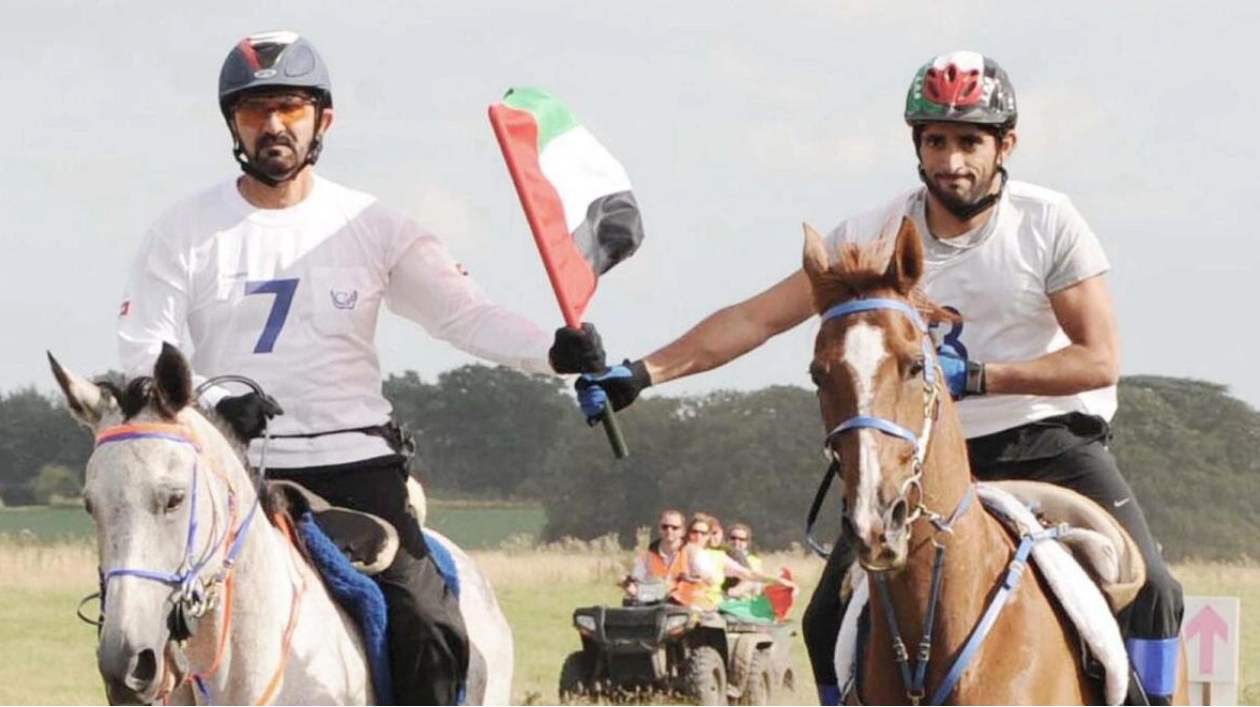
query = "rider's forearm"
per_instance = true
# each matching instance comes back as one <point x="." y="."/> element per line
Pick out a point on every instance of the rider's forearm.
<point x="719" y="339"/>
<point x="733" y="331"/>
<point x="1070" y="370"/>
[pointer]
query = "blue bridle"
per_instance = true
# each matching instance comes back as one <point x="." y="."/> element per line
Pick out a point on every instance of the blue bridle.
<point x="190" y="591"/>
<point x="914" y="684"/>
<point x="884" y="425"/>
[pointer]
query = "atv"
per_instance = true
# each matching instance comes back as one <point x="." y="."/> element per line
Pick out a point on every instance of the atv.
<point x="647" y="646"/>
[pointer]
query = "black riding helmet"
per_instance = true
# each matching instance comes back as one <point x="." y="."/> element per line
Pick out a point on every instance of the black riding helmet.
<point x="271" y="61"/>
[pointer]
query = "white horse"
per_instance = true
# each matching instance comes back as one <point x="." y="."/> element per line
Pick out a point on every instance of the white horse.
<point x="183" y="543"/>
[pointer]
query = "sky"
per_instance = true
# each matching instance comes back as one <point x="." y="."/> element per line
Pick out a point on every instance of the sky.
<point x="735" y="121"/>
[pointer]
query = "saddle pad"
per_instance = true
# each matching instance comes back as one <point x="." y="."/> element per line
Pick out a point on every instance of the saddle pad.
<point x="359" y="595"/>
<point x="1080" y="598"/>
<point x="444" y="560"/>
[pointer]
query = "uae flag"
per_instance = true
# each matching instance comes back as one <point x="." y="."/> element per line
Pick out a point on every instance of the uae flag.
<point x="576" y="196"/>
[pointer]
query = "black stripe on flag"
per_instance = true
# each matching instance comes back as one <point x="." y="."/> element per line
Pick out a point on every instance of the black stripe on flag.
<point x="611" y="232"/>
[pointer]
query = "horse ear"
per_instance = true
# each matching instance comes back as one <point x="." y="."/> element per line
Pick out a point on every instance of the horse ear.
<point x="906" y="266"/>
<point x="88" y="402"/>
<point x="814" y="260"/>
<point x="173" y="378"/>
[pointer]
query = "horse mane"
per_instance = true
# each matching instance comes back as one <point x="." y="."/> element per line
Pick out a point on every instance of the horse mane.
<point x="863" y="269"/>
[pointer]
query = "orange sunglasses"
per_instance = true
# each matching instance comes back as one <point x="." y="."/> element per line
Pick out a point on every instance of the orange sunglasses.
<point x="254" y="112"/>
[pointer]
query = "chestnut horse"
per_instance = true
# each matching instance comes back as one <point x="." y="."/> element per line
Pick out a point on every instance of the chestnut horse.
<point x="912" y="506"/>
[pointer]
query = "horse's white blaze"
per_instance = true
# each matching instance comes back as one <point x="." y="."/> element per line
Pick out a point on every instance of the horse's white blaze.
<point x="864" y="351"/>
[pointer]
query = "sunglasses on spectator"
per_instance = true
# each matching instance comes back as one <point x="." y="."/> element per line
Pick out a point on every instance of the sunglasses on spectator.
<point x="699" y="531"/>
<point x="738" y="538"/>
<point x="667" y="526"/>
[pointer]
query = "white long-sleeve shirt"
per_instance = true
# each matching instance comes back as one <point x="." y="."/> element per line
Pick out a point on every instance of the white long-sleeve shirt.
<point x="290" y="298"/>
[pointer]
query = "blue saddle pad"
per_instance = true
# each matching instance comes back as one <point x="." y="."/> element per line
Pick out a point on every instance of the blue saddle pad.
<point x="360" y="596"/>
<point x="445" y="562"/>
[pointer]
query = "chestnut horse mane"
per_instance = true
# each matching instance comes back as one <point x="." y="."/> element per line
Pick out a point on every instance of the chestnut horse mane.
<point x="862" y="270"/>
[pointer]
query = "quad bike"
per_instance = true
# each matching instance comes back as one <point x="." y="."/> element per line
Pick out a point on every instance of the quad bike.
<point x="649" y="646"/>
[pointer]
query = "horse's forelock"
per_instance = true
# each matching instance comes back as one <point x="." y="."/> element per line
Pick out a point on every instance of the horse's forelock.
<point x="863" y="271"/>
<point x="137" y="395"/>
<point x="858" y="271"/>
<point x="140" y="394"/>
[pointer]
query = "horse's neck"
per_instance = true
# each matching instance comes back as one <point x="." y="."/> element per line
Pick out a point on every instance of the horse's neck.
<point x="266" y="596"/>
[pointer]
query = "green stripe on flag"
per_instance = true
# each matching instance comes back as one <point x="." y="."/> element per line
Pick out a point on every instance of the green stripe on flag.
<point x="552" y="117"/>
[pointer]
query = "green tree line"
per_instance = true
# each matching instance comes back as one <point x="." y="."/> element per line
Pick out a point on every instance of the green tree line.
<point x="1187" y="447"/>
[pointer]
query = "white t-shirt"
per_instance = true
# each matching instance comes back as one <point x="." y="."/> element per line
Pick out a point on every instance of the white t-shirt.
<point x="999" y="277"/>
<point x="290" y="298"/>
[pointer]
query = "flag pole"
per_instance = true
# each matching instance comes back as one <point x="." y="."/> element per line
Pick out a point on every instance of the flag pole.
<point x="569" y="310"/>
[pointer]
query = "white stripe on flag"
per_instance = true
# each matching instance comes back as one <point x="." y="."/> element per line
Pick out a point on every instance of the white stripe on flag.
<point x="582" y="171"/>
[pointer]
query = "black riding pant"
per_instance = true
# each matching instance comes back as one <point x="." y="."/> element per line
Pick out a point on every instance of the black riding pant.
<point x="428" y="643"/>
<point x="1069" y="451"/>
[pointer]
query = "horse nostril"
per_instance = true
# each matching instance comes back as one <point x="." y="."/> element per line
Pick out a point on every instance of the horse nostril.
<point x="143" y="670"/>
<point x="898" y="516"/>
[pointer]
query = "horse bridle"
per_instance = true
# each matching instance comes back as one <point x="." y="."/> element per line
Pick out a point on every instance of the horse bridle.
<point x="914" y="684"/>
<point x="191" y="595"/>
<point x="931" y="407"/>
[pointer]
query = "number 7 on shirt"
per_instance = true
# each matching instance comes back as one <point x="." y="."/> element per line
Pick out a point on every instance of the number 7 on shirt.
<point x="283" y="290"/>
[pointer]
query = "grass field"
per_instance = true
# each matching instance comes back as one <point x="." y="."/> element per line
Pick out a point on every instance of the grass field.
<point x="48" y="654"/>
<point x="471" y="526"/>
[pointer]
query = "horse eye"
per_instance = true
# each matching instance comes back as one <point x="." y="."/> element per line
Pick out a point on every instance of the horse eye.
<point x="916" y="366"/>
<point x="817" y="375"/>
<point x="174" y="501"/>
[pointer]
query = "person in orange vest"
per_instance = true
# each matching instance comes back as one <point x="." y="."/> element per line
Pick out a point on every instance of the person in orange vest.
<point x="663" y="558"/>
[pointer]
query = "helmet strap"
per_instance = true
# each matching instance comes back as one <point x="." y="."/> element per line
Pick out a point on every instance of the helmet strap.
<point x="963" y="212"/>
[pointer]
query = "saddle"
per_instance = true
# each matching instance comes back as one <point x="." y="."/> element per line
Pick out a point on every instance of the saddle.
<point x="1097" y="541"/>
<point x="347" y="547"/>
<point x="368" y="543"/>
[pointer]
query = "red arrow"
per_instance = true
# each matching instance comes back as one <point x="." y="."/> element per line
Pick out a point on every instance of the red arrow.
<point x="1207" y="625"/>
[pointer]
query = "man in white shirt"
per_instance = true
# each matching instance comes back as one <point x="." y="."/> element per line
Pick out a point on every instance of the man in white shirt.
<point x="279" y="275"/>
<point x="1034" y="360"/>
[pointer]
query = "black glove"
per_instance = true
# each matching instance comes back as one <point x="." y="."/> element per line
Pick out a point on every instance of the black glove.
<point x="248" y="413"/>
<point x="620" y="384"/>
<point x="577" y="350"/>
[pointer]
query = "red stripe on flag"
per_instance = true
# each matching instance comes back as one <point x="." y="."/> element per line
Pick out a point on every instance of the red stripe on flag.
<point x="572" y="278"/>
